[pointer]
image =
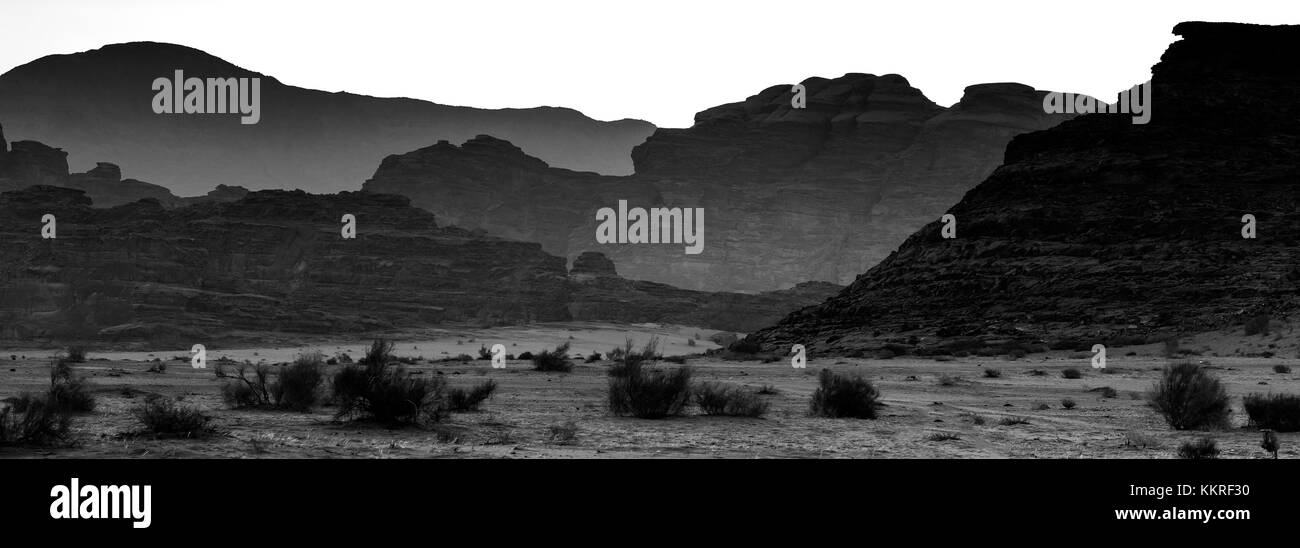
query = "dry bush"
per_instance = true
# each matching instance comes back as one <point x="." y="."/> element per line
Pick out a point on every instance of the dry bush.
<point x="1190" y="398"/>
<point x="553" y="360"/>
<point x="461" y="400"/>
<point x="728" y="400"/>
<point x="844" y="395"/>
<point x="383" y="391"/>
<point x="1276" y="412"/>
<point x="647" y="393"/>
<point x="165" y="417"/>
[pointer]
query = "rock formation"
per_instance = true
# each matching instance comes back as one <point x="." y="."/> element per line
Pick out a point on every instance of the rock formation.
<point x="789" y="195"/>
<point x="32" y="163"/>
<point x="1103" y="231"/>
<point x="273" y="261"/>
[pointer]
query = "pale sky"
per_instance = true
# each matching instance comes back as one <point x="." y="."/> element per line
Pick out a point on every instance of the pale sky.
<point x="657" y="60"/>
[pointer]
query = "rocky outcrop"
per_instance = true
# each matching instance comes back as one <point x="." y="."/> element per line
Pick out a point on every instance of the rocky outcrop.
<point x="105" y="187"/>
<point x="32" y="163"/>
<point x="35" y="163"/>
<point x="789" y="195"/>
<point x="273" y="261"/>
<point x="308" y="139"/>
<point x="489" y="184"/>
<point x="1103" y="231"/>
<point x="598" y="293"/>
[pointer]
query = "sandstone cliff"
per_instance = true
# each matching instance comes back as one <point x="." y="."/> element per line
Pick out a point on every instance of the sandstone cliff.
<point x="790" y="195"/>
<point x="1099" y="230"/>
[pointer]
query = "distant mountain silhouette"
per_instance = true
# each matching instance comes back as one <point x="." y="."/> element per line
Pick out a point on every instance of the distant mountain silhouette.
<point x="97" y="105"/>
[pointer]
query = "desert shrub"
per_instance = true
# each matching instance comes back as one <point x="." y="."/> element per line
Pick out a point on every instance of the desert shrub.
<point x="384" y="392"/>
<point x="1013" y="421"/>
<point x="844" y="395"/>
<point x="690" y="342"/>
<point x="637" y="390"/>
<point x="484" y="353"/>
<point x="1257" y="325"/>
<point x="76" y="354"/>
<point x="593" y="357"/>
<point x="380" y="351"/>
<point x="1068" y="403"/>
<point x="461" y="399"/>
<point x="526" y="356"/>
<point x="1277" y="412"/>
<point x="767" y="390"/>
<point x="296" y="386"/>
<point x="942" y="436"/>
<point x="1042" y="407"/>
<point x="977" y="420"/>
<point x="68" y="393"/>
<point x="1189" y="397"/>
<point x="1204" y="448"/>
<point x="1279" y="368"/>
<point x="1071" y="373"/>
<point x="728" y="400"/>
<point x="991" y="373"/>
<point x="563" y="434"/>
<point x="629" y="355"/>
<point x="164" y="416"/>
<point x="247" y="386"/>
<point x="1016" y="353"/>
<point x="948" y="380"/>
<point x="553" y="360"/>
<point x="32" y="420"/>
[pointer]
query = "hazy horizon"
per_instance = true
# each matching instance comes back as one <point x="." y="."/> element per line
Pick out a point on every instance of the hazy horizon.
<point x="672" y="61"/>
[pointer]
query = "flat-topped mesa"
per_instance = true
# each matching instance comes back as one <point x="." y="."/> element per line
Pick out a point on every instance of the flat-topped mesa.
<point x="1100" y="230"/>
<point x="36" y="163"/>
<point x="765" y="131"/>
<point x="105" y="171"/>
<point x="491" y="184"/>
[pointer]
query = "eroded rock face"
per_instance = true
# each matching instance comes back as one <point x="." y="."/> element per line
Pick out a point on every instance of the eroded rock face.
<point x="789" y="195"/>
<point x="1099" y="230"/>
<point x="32" y="163"/>
<point x="273" y="261"/>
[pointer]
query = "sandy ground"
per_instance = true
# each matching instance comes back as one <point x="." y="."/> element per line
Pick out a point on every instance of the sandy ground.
<point x="516" y="422"/>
